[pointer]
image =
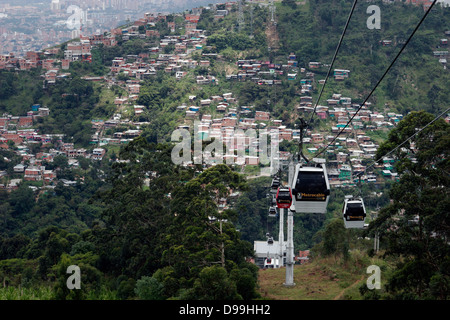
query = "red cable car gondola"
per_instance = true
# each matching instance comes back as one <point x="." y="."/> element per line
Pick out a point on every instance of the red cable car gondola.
<point x="284" y="197"/>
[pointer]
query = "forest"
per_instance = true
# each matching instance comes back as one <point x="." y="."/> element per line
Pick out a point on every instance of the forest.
<point x="142" y="228"/>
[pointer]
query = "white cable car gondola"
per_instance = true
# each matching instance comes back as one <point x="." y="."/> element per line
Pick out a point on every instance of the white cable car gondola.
<point x="311" y="188"/>
<point x="275" y="185"/>
<point x="354" y="212"/>
<point x="272" y="212"/>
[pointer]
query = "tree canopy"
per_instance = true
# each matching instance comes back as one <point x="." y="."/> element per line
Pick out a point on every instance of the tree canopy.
<point x="416" y="222"/>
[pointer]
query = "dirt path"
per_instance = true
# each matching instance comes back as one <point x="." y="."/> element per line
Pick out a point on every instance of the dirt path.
<point x="272" y="36"/>
<point x="339" y="296"/>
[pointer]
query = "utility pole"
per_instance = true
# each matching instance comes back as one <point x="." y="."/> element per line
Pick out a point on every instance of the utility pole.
<point x="376" y="242"/>
<point x="376" y="237"/>
<point x="222" y="248"/>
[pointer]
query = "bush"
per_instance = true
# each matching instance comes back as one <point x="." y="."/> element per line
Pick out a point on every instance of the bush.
<point x="149" y="288"/>
<point x="126" y="289"/>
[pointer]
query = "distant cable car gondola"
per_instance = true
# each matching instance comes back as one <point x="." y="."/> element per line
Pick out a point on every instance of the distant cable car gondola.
<point x="272" y="212"/>
<point x="354" y="212"/>
<point x="275" y="184"/>
<point x="273" y="202"/>
<point x="270" y="241"/>
<point x="284" y="197"/>
<point x="311" y="188"/>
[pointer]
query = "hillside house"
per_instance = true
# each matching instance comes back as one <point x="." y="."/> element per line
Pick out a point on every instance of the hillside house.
<point x="302" y="257"/>
<point x="98" y="153"/>
<point x="192" y="18"/>
<point x="341" y="74"/>
<point x="351" y="143"/>
<point x="75" y="153"/>
<point x="341" y="157"/>
<point x="345" y="172"/>
<point x="33" y="174"/>
<point x="376" y="117"/>
<point x="14" y="137"/>
<point x="25" y="122"/>
<point x="314" y="65"/>
<point x="19" y="168"/>
<point x="133" y="88"/>
<point x="322" y="114"/>
<point x="262" y="116"/>
<point x="48" y="175"/>
<point x="286" y="134"/>
<point x="50" y="76"/>
<point x="317" y="138"/>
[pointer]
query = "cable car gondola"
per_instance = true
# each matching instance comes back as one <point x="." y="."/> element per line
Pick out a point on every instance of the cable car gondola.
<point x="270" y="241"/>
<point x="275" y="184"/>
<point x="311" y="188"/>
<point x="273" y="202"/>
<point x="272" y="212"/>
<point x="354" y="212"/>
<point x="284" y="197"/>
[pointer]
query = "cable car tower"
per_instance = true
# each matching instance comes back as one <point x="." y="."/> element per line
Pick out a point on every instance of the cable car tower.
<point x="251" y="21"/>
<point x="272" y="11"/>
<point x="310" y="194"/>
<point x="241" y="15"/>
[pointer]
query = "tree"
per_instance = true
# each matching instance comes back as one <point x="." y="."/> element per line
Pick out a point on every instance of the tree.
<point x="90" y="280"/>
<point x="245" y="282"/>
<point x="290" y="3"/>
<point x="61" y="161"/>
<point x="415" y="225"/>
<point x="214" y="284"/>
<point x="334" y="238"/>
<point x="84" y="163"/>
<point x="149" y="288"/>
<point x="22" y="200"/>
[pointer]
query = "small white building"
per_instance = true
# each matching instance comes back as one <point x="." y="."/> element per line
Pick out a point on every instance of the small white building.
<point x="264" y="251"/>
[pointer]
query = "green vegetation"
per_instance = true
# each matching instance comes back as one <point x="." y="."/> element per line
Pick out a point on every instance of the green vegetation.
<point x="144" y="228"/>
<point x="161" y="234"/>
<point x="422" y="193"/>
<point x="409" y="83"/>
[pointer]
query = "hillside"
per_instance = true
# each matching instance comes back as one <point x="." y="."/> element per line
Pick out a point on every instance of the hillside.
<point x="89" y="136"/>
<point x="321" y="280"/>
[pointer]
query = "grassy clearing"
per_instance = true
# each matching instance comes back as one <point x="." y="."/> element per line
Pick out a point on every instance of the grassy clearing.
<point x="13" y="293"/>
<point x="327" y="278"/>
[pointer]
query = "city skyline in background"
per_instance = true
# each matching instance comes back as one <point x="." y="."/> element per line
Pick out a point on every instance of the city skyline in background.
<point x="33" y="25"/>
